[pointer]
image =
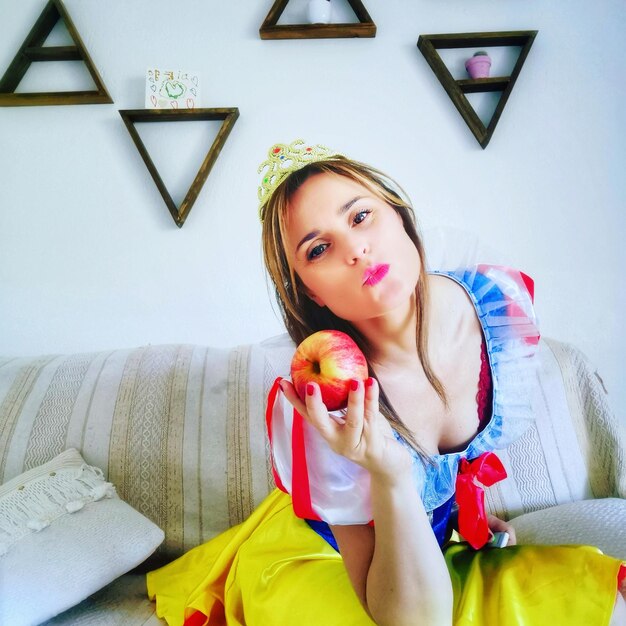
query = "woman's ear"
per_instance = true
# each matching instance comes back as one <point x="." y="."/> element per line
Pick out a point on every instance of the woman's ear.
<point x="301" y="287"/>
<point x="313" y="297"/>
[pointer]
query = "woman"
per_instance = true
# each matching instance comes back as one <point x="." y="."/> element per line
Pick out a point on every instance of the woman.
<point x="448" y="356"/>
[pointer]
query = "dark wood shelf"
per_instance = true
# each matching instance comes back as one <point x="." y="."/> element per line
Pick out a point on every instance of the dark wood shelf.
<point x="271" y="30"/>
<point x="473" y="40"/>
<point x="53" y="53"/>
<point x="478" y="85"/>
<point x="227" y="115"/>
<point x="33" y="50"/>
<point x="50" y="98"/>
<point x="456" y="89"/>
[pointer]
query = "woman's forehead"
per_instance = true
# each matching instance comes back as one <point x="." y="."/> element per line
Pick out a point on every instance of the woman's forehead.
<point x="324" y="192"/>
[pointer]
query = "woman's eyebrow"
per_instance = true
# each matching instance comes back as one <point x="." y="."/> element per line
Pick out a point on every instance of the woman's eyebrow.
<point x="314" y="233"/>
<point x="311" y="235"/>
<point x="348" y="205"/>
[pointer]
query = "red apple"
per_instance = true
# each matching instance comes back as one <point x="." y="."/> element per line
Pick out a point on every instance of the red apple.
<point x="331" y="359"/>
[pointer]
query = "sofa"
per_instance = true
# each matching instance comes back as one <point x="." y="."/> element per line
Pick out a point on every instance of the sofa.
<point x="172" y="438"/>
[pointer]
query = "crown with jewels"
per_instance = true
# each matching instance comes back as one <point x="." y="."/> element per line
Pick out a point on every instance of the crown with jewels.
<point x="283" y="159"/>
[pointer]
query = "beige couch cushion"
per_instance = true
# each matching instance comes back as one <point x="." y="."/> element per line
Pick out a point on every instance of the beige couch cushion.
<point x="575" y="448"/>
<point x="124" y="602"/>
<point x="180" y="431"/>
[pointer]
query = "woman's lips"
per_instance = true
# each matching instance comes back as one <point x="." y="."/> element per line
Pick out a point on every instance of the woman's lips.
<point x="375" y="274"/>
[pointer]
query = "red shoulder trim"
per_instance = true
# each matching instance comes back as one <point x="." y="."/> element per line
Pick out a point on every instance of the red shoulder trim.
<point x="300" y="488"/>
<point x="530" y="285"/>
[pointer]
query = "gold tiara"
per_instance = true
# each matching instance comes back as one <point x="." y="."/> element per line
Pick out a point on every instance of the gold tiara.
<point x="283" y="159"/>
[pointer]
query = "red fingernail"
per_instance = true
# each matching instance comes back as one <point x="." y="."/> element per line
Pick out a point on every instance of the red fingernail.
<point x="369" y="382"/>
<point x="310" y="389"/>
<point x="354" y="385"/>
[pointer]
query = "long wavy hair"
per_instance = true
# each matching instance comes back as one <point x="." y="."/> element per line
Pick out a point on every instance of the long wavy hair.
<point x="302" y="316"/>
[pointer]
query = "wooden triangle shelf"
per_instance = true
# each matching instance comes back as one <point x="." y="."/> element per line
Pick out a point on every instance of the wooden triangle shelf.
<point x="33" y="50"/>
<point x="456" y="89"/>
<point x="227" y="115"/>
<point x="271" y="30"/>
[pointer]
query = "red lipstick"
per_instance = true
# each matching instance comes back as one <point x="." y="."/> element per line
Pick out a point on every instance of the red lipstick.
<point x="374" y="274"/>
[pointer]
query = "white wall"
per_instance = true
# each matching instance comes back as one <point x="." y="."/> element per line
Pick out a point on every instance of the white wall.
<point x="90" y="258"/>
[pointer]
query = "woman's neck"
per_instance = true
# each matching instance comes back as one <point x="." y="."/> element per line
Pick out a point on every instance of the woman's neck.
<point x="392" y="337"/>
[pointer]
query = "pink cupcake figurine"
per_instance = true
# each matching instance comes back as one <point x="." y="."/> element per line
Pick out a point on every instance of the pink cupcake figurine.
<point x="478" y="65"/>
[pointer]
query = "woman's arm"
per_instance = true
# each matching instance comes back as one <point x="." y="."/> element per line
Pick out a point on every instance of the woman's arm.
<point x="396" y="568"/>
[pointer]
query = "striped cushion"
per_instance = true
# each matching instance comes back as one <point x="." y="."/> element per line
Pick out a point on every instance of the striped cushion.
<point x="574" y="450"/>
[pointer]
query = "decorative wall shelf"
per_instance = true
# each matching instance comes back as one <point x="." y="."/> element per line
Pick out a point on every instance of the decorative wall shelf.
<point x="228" y="116"/>
<point x="271" y="30"/>
<point x="33" y="50"/>
<point x="456" y="89"/>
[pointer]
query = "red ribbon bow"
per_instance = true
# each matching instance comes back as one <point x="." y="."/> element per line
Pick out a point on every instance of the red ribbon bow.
<point x="485" y="470"/>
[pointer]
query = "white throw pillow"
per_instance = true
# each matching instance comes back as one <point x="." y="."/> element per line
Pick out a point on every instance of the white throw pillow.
<point x="64" y="534"/>
<point x="600" y="523"/>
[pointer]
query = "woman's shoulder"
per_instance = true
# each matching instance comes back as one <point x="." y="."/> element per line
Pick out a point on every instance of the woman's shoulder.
<point x="453" y="322"/>
<point x="503" y="300"/>
<point x="485" y="281"/>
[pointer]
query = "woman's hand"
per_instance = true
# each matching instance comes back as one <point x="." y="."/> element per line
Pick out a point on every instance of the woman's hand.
<point x="497" y="525"/>
<point x="364" y="436"/>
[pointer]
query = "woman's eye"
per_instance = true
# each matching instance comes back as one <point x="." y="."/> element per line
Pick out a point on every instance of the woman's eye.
<point x="360" y="216"/>
<point x="316" y="251"/>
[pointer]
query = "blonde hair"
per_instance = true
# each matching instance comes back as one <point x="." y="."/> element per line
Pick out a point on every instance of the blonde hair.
<point x="301" y="315"/>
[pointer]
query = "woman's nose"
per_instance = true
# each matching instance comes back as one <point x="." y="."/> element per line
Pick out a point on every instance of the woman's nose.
<point x="356" y="250"/>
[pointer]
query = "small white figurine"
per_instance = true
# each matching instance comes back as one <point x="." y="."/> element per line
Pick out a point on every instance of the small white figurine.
<point x="318" y="11"/>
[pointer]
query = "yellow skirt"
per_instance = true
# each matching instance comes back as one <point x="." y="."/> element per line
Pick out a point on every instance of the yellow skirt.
<point x="273" y="570"/>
